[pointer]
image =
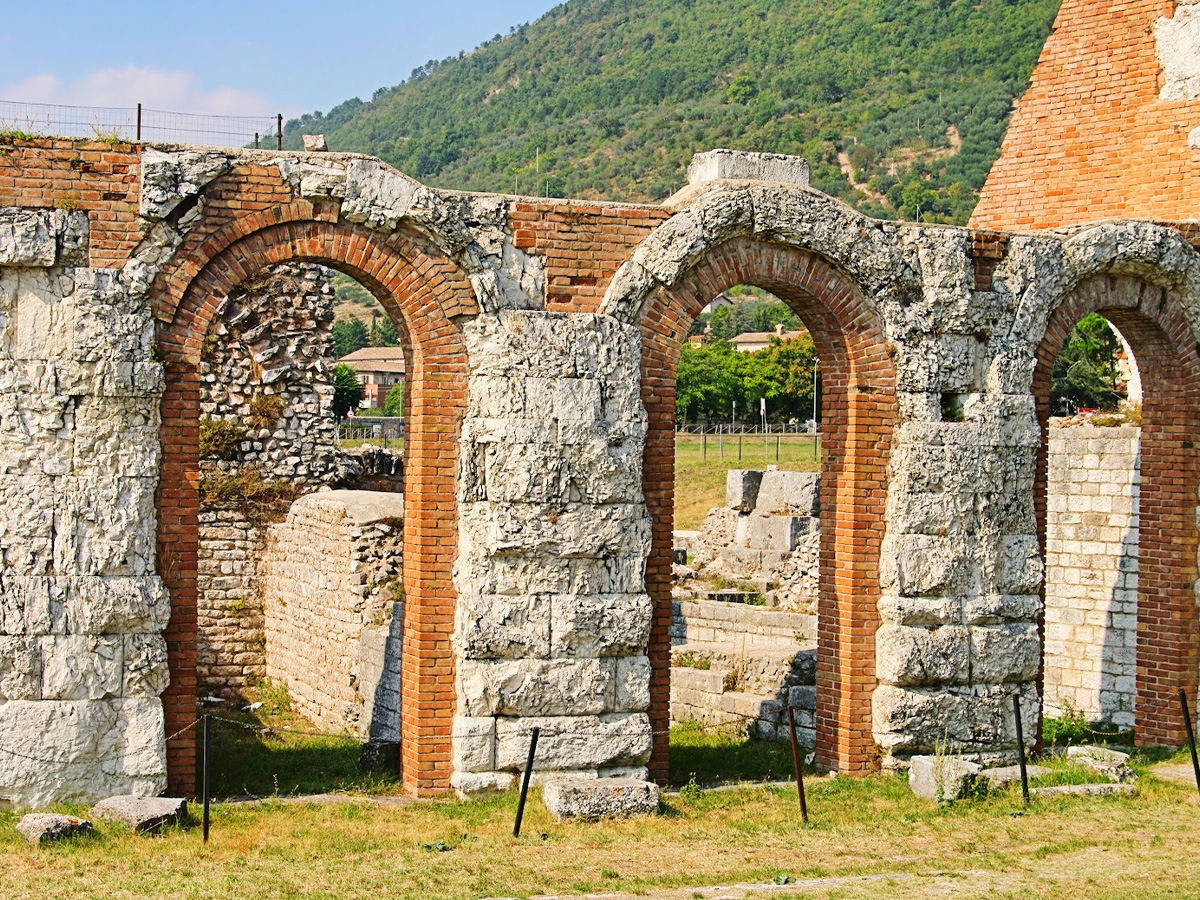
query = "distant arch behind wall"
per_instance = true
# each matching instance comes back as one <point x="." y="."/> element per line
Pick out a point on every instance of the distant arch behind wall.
<point x="1151" y="319"/>
<point x="422" y="291"/>
<point x="858" y="416"/>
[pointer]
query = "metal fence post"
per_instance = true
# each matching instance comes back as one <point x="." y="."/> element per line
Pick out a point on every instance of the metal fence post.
<point x="207" y="757"/>
<point x="525" y="781"/>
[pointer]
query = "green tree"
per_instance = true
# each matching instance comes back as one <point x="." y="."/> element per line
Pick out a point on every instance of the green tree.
<point x="1086" y="372"/>
<point x="722" y="323"/>
<point x="383" y="333"/>
<point x="706" y="383"/>
<point x="348" y="391"/>
<point x="349" y="335"/>
<point x="393" y="403"/>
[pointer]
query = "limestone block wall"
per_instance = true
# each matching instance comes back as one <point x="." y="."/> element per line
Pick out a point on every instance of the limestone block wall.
<point x="333" y="610"/>
<point x="1092" y="572"/>
<point x="82" y="610"/>
<point x="553" y="620"/>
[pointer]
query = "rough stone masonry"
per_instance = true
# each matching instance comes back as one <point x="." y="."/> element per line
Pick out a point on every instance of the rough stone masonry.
<point x="536" y="540"/>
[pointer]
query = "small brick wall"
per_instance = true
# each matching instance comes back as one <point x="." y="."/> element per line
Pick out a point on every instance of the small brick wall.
<point x="1091" y="572"/>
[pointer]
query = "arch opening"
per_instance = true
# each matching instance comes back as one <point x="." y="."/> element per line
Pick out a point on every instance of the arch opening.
<point x="1115" y="500"/>
<point x="410" y="645"/>
<point x="747" y="533"/>
<point x="857" y="414"/>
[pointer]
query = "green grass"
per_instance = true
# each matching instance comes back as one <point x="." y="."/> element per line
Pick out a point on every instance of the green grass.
<point x="706" y="756"/>
<point x="247" y="761"/>
<point x="700" y="473"/>
<point x="1099" y="848"/>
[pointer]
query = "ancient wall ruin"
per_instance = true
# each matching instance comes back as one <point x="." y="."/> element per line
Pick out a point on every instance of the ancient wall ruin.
<point x="332" y="610"/>
<point x="1092" y="572"/>
<point x="267" y="435"/>
<point x="1110" y="124"/>
<point x="538" y="485"/>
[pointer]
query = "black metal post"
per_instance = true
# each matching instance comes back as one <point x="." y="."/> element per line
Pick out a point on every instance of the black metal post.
<point x="256" y="140"/>
<point x="1021" y="749"/>
<point x="704" y="441"/>
<point x="739" y="446"/>
<point x="777" y="447"/>
<point x="139" y="122"/>
<point x="206" y="757"/>
<point x="796" y="763"/>
<point x="525" y="781"/>
<point x="1187" y="721"/>
<point x="279" y="131"/>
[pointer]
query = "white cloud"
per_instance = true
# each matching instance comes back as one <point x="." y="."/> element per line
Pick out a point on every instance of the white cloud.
<point x="165" y="89"/>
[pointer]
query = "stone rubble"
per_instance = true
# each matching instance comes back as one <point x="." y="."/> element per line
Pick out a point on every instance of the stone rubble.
<point x="603" y="798"/>
<point x="146" y="815"/>
<point x="47" y="828"/>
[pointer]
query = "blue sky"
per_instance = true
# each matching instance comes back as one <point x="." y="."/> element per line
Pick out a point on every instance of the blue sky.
<point x="234" y="58"/>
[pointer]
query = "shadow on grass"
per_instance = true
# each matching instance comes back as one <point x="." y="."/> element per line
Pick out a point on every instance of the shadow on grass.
<point x="720" y="756"/>
<point x="246" y="762"/>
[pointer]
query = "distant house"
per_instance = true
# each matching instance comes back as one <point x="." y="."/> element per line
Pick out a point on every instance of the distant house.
<point x="379" y="369"/>
<point x="752" y="341"/>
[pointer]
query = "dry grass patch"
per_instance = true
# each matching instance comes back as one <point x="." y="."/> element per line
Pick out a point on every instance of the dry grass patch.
<point x="1071" y="848"/>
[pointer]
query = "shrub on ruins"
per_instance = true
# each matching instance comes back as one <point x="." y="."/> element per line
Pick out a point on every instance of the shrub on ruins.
<point x="220" y="438"/>
<point x="348" y="391"/>
<point x="245" y="490"/>
<point x="265" y="410"/>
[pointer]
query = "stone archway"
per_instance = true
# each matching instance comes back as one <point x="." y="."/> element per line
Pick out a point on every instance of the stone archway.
<point x="1151" y="318"/>
<point x="859" y="409"/>
<point x="421" y="290"/>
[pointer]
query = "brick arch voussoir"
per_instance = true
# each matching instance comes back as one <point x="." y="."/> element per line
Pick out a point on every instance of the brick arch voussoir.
<point x="859" y="414"/>
<point x="423" y="293"/>
<point x="1154" y="321"/>
<point x="775" y="215"/>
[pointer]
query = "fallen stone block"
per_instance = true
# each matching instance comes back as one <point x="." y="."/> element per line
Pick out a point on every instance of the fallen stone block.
<point x="45" y="828"/>
<point x="1081" y="790"/>
<point x="143" y="814"/>
<point x="604" y="798"/>
<point x="741" y="489"/>
<point x="1103" y="761"/>
<point x="1002" y="776"/>
<point x="944" y="779"/>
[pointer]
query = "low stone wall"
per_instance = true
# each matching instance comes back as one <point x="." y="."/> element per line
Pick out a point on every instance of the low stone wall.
<point x="744" y="665"/>
<point x="1092" y="572"/>
<point x="330" y="578"/>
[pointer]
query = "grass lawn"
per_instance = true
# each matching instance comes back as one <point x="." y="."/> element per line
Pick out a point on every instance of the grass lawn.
<point x="700" y="475"/>
<point x="1095" y="848"/>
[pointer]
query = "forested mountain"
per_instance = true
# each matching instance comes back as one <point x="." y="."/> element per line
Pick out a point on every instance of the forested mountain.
<point x="899" y="106"/>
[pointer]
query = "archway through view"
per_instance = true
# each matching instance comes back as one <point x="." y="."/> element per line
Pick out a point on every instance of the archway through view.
<point x="1091" y="554"/>
<point x="856" y="408"/>
<point x="747" y="536"/>
<point x="301" y="530"/>
<point x="1116" y="504"/>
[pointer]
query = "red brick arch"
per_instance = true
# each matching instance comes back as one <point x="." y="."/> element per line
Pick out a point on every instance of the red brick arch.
<point x="422" y="291"/>
<point x="1168" y="360"/>
<point x="858" y="415"/>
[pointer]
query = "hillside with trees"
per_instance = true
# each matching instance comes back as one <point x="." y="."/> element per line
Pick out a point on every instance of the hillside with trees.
<point x="899" y="107"/>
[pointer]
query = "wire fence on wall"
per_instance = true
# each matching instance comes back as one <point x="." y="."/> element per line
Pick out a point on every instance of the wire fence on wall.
<point x="116" y="123"/>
